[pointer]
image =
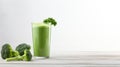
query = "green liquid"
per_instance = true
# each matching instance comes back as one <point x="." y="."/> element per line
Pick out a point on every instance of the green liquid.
<point x="41" y="39"/>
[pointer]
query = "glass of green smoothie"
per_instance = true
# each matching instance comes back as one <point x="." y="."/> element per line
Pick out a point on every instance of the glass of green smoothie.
<point x="41" y="33"/>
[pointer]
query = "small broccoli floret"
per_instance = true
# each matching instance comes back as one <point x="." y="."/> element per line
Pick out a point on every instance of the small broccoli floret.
<point x="15" y="53"/>
<point x="21" y="47"/>
<point x="8" y="52"/>
<point x="51" y="21"/>
<point x="26" y="57"/>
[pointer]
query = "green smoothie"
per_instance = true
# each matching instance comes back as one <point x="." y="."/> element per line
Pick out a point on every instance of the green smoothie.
<point x="41" y="39"/>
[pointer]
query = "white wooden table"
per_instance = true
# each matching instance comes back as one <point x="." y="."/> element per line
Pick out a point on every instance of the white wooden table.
<point x="70" y="59"/>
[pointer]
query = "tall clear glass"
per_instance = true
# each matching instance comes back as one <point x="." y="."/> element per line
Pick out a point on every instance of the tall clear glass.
<point x="41" y="39"/>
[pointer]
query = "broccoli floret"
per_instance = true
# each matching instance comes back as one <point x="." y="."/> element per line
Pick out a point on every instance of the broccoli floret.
<point x="8" y="52"/>
<point x="15" y="53"/>
<point x="51" y="21"/>
<point x="26" y="57"/>
<point x="21" y="47"/>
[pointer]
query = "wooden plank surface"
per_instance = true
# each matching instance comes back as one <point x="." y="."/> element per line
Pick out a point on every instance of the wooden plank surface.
<point x="72" y="59"/>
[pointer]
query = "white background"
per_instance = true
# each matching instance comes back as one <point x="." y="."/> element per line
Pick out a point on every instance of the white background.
<point x="83" y="25"/>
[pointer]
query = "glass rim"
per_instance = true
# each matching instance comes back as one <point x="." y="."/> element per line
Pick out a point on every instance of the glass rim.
<point x="39" y="24"/>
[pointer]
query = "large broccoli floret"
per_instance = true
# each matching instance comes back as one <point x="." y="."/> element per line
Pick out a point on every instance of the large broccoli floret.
<point x="26" y="57"/>
<point x="8" y="52"/>
<point x="21" y="47"/>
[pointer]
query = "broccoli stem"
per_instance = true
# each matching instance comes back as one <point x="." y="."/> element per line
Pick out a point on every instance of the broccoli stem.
<point x="26" y="57"/>
<point x="18" y="58"/>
